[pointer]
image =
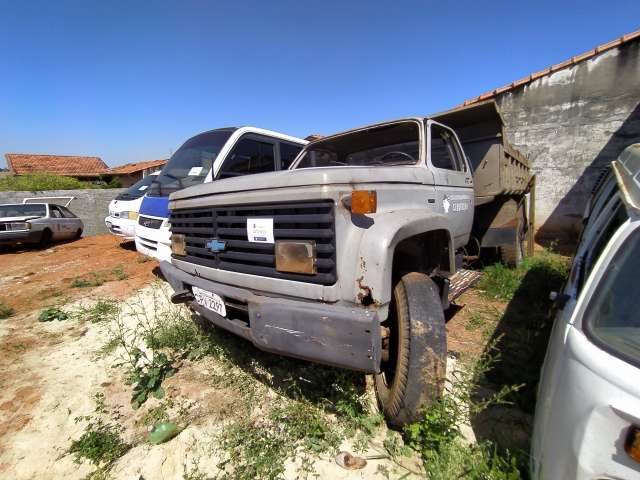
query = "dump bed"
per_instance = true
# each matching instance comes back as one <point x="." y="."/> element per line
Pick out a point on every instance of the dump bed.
<point x="498" y="168"/>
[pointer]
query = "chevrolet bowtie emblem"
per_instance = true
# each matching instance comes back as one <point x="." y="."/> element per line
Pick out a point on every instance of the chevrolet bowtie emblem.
<point x="216" y="245"/>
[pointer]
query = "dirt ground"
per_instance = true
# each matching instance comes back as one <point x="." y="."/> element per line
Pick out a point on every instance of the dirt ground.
<point x="50" y="371"/>
<point x="33" y="278"/>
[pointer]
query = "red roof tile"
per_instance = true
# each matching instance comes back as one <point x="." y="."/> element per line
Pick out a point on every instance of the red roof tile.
<point x="136" y="167"/>
<point x="572" y="61"/>
<point x="69" y="165"/>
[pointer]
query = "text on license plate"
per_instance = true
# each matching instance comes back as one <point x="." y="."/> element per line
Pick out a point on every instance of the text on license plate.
<point x="210" y="301"/>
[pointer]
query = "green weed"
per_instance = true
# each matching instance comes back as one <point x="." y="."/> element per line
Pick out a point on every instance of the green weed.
<point x="52" y="313"/>
<point x="119" y="272"/>
<point x="92" y="280"/>
<point x="100" y="443"/>
<point x="103" y="310"/>
<point x="6" y="310"/>
<point x="501" y="282"/>
<point x="143" y="259"/>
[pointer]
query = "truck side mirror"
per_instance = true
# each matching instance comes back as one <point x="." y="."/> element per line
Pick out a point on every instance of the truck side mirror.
<point x="559" y="299"/>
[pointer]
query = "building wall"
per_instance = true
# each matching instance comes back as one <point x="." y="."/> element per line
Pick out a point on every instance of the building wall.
<point x="90" y="205"/>
<point x="572" y="124"/>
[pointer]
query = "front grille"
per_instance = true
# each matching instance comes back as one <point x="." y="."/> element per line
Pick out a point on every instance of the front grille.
<point x="299" y="221"/>
<point x="150" y="222"/>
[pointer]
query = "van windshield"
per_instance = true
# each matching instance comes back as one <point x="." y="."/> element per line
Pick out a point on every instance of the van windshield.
<point x="190" y="164"/>
<point x="387" y="145"/>
<point x="23" y="210"/>
<point x="138" y="189"/>
<point x="612" y="319"/>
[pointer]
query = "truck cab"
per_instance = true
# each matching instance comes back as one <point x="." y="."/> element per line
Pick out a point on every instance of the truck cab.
<point x="209" y="156"/>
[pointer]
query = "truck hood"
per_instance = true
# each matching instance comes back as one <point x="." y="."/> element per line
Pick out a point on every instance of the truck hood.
<point x="310" y="176"/>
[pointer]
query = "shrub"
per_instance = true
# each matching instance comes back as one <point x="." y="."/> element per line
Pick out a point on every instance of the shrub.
<point x="5" y="310"/>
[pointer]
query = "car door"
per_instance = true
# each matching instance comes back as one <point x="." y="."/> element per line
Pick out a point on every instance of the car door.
<point x="453" y="179"/>
<point x="58" y="228"/>
<point x="72" y="222"/>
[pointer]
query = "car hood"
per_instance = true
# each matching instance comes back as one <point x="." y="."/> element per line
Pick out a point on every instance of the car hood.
<point x="310" y="176"/>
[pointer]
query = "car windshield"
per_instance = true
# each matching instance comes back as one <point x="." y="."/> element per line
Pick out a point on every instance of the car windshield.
<point x="612" y="317"/>
<point x="396" y="144"/>
<point x="137" y="190"/>
<point x="23" y="210"/>
<point x="190" y="164"/>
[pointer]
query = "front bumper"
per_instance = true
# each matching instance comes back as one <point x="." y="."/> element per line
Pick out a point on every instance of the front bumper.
<point x="347" y="337"/>
<point x="155" y="243"/>
<point x="122" y="227"/>
<point x="23" y="236"/>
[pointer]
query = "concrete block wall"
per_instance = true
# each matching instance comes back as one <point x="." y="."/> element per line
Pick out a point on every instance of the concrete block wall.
<point x="90" y="205"/>
<point x="572" y="124"/>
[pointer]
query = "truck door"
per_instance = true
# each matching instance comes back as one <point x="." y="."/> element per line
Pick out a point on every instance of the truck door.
<point x="453" y="179"/>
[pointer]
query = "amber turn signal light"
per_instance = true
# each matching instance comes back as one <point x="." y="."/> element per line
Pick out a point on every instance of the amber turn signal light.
<point x="632" y="443"/>
<point x="363" y="201"/>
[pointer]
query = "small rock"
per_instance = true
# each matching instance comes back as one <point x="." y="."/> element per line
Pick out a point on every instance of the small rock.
<point x="350" y="462"/>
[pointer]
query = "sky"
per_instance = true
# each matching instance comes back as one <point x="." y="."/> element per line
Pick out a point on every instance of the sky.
<point x="131" y="81"/>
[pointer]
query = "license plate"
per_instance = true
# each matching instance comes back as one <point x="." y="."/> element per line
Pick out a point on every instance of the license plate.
<point x="210" y="301"/>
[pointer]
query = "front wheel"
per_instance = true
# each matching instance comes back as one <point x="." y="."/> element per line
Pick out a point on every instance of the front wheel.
<point x="414" y="355"/>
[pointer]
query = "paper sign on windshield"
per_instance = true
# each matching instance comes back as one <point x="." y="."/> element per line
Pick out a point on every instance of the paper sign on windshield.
<point x="194" y="171"/>
<point x="143" y="187"/>
<point x="260" y="230"/>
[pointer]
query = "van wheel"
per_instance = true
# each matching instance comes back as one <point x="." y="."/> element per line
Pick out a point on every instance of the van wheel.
<point x="45" y="238"/>
<point x="414" y="355"/>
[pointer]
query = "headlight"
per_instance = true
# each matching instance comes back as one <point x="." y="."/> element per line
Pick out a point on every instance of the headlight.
<point x="296" y="256"/>
<point x="129" y="215"/>
<point x="19" y="226"/>
<point x="178" y="244"/>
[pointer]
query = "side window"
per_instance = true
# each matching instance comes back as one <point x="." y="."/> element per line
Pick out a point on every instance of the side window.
<point x="288" y="153"/>
<point x="55" y="211"/>
<point x="444" y="153"/>
<point x="249" y="156"/>
<point x="66" y="213"/>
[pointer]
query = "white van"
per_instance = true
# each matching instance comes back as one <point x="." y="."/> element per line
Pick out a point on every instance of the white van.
<point x="212" y="155"/>
<point x="587" y="422"/>
<point x="123" y="210"/>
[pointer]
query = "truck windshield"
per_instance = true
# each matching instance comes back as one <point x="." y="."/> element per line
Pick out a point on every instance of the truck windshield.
<point x="387" y="145"/>
<point x="138" y="189"/>
<point x="612" y="319"/>
<point x="190" y="164"/>
<point x="23" y="210"/>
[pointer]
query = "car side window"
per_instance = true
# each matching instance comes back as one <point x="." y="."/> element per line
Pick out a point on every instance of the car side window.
<point x="249" y="155"/>
<point x="66" y="213"/>
<point x="55" y="211"/>
<point x="288" y="153"/>
<point x="444" y="153"/>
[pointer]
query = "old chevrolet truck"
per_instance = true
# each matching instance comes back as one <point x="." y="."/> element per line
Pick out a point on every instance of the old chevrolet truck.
<point x="348" y="258"/>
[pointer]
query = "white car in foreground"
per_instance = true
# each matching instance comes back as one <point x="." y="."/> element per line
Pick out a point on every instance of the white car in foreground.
<point x="587" y="423"/>
<point x="123" y="210"/>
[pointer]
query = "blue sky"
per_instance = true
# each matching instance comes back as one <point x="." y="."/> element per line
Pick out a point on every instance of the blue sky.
<point x="130" y="81"/>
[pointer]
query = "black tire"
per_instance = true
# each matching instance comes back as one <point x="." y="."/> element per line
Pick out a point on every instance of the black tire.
<point x="512" y="255"/>
<point x="78" y="234"/>
<point x="45" y="238"/>
<point x="413" y="376"/>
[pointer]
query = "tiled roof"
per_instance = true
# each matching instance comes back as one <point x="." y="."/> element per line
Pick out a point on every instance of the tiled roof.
<point x="70" y="165"/>
<point x="136" y="167"/>
<point x="554" y="68"/>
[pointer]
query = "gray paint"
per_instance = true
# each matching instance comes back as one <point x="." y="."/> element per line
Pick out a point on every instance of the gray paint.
<point x="572" y="124"/>
<point x="90" y="205"/>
